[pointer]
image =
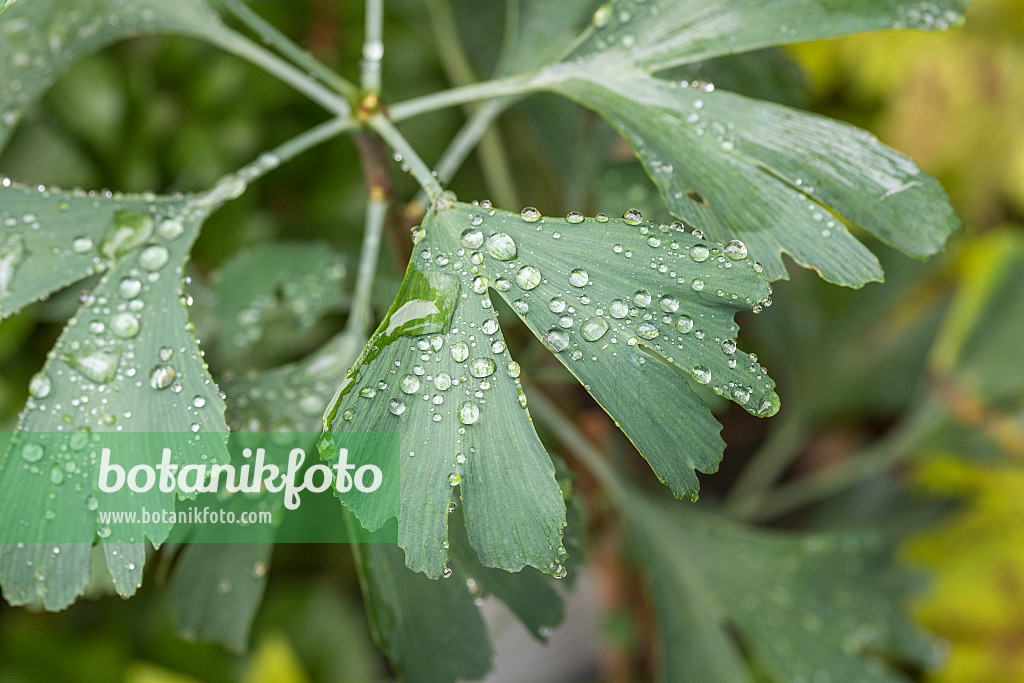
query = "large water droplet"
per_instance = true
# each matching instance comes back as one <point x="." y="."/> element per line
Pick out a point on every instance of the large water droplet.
<point x="530" y="214"/>
<point x="443" y="381"/>
<point x="472" y="238"/>
<point x="578" y="277"/>
<point x="12" y="253"/>
<point x="124" y="325"/>
<point x="170" y="229"/>
<point x="40" y="386"/>
<point x="99" y="366"/>
<point x="729" y="346"/>
<point x="409" y="384"/>
<point x="460" y="351"/>
<point x="618" y="308"/>
<point x="154" y="258"/>
<point x="501" y="246"/>
<point x="528" y="277"/>
<point x="557" y="304"/>
<point x="593" y="329"/>
<point x="736" y="250"/>
<point x="684" y="324"/>
<point x="81" y="245"/>
<point x="702" y="374"/>
<point x="31" y="452"/>
<point x="669" y="304"/>
<point x="162" y="376"/>
<point x="129" y="288"/>
<point x="396" y="407"/>
<point x="699" y="253"/>
<point x="469" y="413"/>
<point x="697" y="284"/>
<point x="131" y="229"/>
<point x="513" y="369"/>
<point x="481" y="367"/>
<point x="633" y="217"/>
<point x="647" y="330"/>
<point x="642" y="298"/>
<point x="556" y="339"/>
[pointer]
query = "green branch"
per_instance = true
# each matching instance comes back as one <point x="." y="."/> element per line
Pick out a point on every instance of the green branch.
<point x="373" y="46"/>
<point x="420" y="171"/>
<point x="272" y="36"/>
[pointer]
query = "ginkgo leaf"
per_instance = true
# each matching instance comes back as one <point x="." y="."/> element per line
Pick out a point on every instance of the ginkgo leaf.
<point x="302" y="279"/>
<point x="41" y="39"/>
<point x="126" y="365"/>
<point x="657" y="34"/>
<point x="538" y="32"/>
<point x="780" y="180"/>
<point x="627" y="306"/>
<point x="811" y="607"/>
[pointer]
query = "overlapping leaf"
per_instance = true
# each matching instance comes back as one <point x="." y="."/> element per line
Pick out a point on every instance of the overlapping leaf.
<point x="41" y="39"/>
<point x="811" y="607"/>
<point x="126" y="362"/>
<point x="627" y="306"/>
<point x="302" y="279"/>
<point x="772" y="176"/>
<point x="657" y="34"/>
<point x="780" y="180"/>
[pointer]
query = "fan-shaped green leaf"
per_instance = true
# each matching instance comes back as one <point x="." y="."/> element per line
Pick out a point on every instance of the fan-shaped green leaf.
<point x="812" y="607"/>
<point x="538" y="32"/>
<point x="304" y="279"/>
<point x="657" y="34"/>
<point x="126" y="362"/>
<point x="627" y="306"/>
<point x="778" y="179"/>
<point x="41" y="39"/>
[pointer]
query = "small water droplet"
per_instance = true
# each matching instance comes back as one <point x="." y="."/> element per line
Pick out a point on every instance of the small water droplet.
<point x="557" y="304"/>
<point x="684" y="324"/>
<point x="443" y="381"/>
<point x="409" y="384"/>
<point x="669" y="304"/>
<point x="396" y="407"/>
<point x="702" y="374"/>
<point x="513" y="369"/>
<point x="697" y="284"/>
<point x="40" y="386"/>
<point x="81" y="245"/>
<point x="129" y="288"/>
<point x="131" y="229"/>
<point x="99" y="366"/>
<point x="574" y="217"/>
<point x="472" y="238"/>
<point x="31" y="452"/>
<point x="170" y="229"/>
<point x="729" y="346"/>
<point x="699" y="253"/>
<point x="642" y="298"/>
<point x="647" y="330"/>
<point x="481" y="367"/>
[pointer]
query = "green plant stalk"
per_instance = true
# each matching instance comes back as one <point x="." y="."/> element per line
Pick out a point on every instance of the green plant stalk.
<point x="284" y="45"/>
<point x="233" y="184"/>
<point x="878" y="457"/>
<point x="424" y="176"/>
<point x="491" y="149"/>
<point x="361" y="313"/>
<point x="545" y="410"/>
<point x="239" y="45"/>
<point x="373" y="46"/>
<point x="767" y="464"/>
<point x="511" y="85"/>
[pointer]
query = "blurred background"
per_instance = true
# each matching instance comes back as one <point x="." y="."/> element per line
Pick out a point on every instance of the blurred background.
<point x="859" y="372"/>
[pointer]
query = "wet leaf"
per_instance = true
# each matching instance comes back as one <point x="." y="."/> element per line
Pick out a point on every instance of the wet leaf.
<point x="811" y="607"/>
<point x="780" y="180"/>
<point x="653" y="302"/>
<point x="41" y="39"/>
<point x="657" y="34"/>
<point x="126" y="362"/>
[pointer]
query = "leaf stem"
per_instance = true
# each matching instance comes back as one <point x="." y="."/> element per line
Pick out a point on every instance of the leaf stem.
<point x="284" y="45"/>
<point x="424" y="176"/>
<point x="361" y="313"/>
<point x="545" y="410"/>
<point x="895" y="446"/>
<point x="373" y="46"/>
<point x="234" y="184"/>
<point x="239" y="45"/>
<point x="512" y="85"/>
<point x="768" y="463"/>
